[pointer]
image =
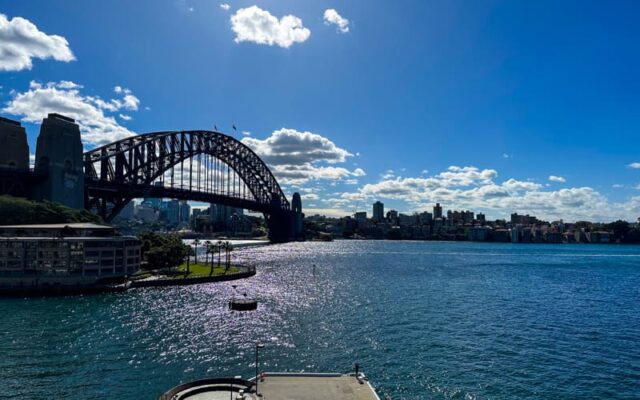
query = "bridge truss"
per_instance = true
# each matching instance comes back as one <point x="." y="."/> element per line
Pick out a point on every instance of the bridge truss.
<point x="202" y="166"/>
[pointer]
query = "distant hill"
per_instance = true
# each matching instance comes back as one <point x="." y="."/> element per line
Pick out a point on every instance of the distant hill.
<point x="17" y="211"/>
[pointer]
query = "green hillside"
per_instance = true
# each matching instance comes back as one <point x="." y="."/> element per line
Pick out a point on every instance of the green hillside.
<point x="15" y="211"/>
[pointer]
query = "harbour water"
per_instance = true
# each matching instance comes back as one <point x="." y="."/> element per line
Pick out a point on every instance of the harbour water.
<point x="425" y="320"/>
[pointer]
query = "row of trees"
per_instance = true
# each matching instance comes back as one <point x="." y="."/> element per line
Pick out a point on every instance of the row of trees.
<point x="213" y="248"/>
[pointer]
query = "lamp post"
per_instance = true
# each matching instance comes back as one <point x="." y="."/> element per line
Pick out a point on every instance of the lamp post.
<point x="258" y="347"/>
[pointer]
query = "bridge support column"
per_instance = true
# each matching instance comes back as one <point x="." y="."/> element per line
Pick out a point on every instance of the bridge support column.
<point x="59" y="155"/>
<point x="283" y="227"/>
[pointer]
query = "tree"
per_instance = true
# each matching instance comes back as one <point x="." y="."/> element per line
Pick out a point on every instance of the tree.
<point x="228" y="247"/>
<point x="196" y="243"/>
<point x="169" y="247"/>
<point x="220" y="247"/>
<point x="207" y="244"/>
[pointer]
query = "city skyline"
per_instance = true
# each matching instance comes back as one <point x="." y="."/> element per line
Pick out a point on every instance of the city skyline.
<point x="527" y="115"/>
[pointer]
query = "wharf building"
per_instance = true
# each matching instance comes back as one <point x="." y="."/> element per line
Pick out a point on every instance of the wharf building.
<point x="64" y="256"/>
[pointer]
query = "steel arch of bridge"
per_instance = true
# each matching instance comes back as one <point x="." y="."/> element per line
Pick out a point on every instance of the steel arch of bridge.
<point x="130" y="168"/>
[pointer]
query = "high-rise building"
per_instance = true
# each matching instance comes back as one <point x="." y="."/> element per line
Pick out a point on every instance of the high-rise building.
<point x="437" y="211"/>
<point x="185" y="212"/>
<point x="378" y="211"/>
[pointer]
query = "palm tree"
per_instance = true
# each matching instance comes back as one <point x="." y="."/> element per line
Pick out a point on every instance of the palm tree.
<point x="207" y="243"/>
<point x="212" y="250"/>
<point x="196" y="243"/>
<point x="229" y="249"/>
<point x="220" y="247"/>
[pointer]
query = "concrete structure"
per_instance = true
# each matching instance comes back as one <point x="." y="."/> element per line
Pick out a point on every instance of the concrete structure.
<point x="128" y="212"/>
<point x="14" y="149"/>
<point x="298" y="216"/>
<point x="59" y="155"/>
<point x="64" y="256"/>
<point x="278" y="386"/>
<point x="378" y="211"/>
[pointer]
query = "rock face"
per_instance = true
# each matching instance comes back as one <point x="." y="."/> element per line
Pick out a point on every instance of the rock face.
<point x="59" y="155"/>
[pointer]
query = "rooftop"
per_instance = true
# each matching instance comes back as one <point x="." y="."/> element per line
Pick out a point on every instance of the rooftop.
<point x="76" y="225"/>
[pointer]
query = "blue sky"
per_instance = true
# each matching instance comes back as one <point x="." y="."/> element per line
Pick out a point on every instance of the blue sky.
<point x="494" y="106"/>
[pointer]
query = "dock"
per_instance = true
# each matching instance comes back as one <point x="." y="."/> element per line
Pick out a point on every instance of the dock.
<point x="278" y="386"/>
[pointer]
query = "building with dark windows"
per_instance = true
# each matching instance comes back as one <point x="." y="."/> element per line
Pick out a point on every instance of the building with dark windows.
<point x="64" y="256"/>
<point x="437" y="211"/>
<point x="378" y="211"/>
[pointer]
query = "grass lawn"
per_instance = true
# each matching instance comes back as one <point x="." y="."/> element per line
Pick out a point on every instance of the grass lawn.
<point x="205" y="269"/>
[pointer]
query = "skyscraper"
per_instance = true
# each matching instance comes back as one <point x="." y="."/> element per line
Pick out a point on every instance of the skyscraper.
<point x="378" y="211"/>
<point x="437" y="211"/>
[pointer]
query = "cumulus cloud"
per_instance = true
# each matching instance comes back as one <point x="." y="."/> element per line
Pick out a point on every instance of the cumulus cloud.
<point x="298" y="157"/>
<point x="331" y="16"/>
<point x="555" y="178"/>
<point x="253" y="24"/>
<point x="477" y="189"/>
<point x="21" y="41"/>
<point x="225" y="6"/>
<point x="90" y="112"/>
<point x="289" y="146"/>
<point x="634" y="165"/>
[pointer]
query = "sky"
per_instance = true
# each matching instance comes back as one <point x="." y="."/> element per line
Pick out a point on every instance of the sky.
<point x="491" y="106"/>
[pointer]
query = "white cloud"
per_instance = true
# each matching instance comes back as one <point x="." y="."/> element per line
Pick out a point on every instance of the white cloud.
<point x="65" y="98"/>
<point x="125" y="117"/>
<point x="331" y="16"/>
<point x="358" y="172"/>
<point x="634" y="165"/>
<point x="297" y="157"/>
<point x="246" y="133"/>
<point x="21" y="41"/>
<point x="505" y="155"/>
<point x="225" y="6"/>
<point x="554" y="178"/>
<point x="289" y="146"/>
<point x="256" y="25"/>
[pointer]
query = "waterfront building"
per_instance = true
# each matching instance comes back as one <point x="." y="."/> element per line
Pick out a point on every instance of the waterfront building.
<point x="515" y="234"/>
<point x="501" y="235"/>
<point x="378" y="211"/>
<point x="480" y="217"/>
<point x="425" y="218"/>
<point x="479" y="233"/>
<point x="408" y="220"/>
<point x="63" y="256"/>
<point x="523" y="219"/>
<point x="437" y="211"/>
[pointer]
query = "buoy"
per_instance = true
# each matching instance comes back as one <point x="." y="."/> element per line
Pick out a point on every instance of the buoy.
<point x="243" y="304"/>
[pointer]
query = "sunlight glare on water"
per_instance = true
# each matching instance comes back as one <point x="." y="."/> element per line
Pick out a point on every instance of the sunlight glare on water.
<point x="426" y="320"/>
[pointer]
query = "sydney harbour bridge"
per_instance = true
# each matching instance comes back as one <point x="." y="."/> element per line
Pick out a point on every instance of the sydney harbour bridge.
<point x="197" y="165"/>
